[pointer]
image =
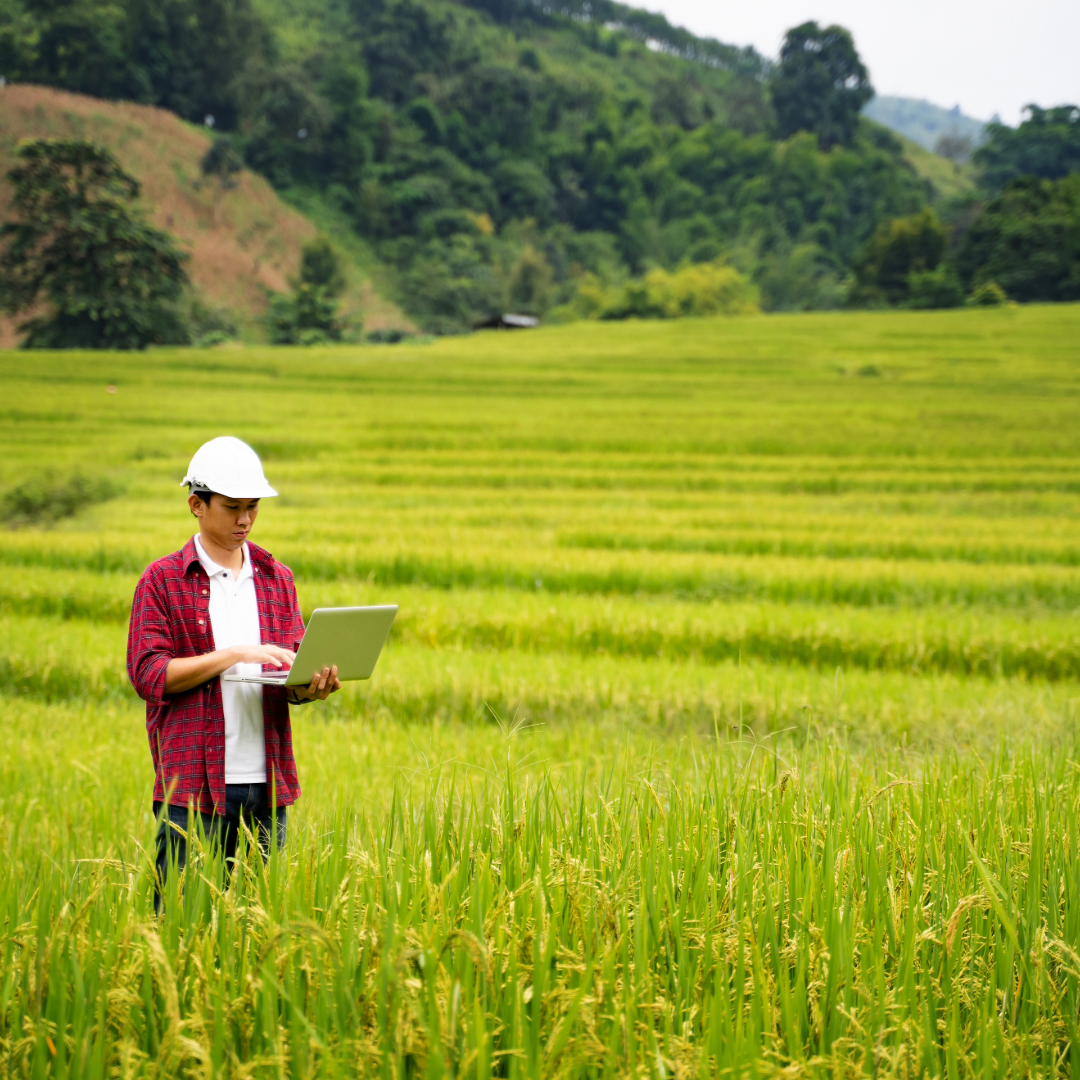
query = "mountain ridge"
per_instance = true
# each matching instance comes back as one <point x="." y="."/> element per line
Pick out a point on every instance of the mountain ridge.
<point x="922" y="121"/>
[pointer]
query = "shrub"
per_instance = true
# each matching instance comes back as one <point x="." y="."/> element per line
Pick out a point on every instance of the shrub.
<point x="938" y="288"/>
<point x="705" y="289"/>
<point x="702" y="289"/>
<point x="590" y="298"/>
<point x="48" y="498"/>
<point x="391" y="335"/>
<point x="709" y="288"/>
<point x="988" y="294"/>
<point x="207" y="324"/>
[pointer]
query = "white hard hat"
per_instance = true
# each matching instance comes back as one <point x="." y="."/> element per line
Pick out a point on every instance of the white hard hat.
<point x="229" y="467"/>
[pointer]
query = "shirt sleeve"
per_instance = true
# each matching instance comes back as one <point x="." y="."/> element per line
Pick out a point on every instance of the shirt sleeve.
<point x="298" y="619"/>
<point x="150" y="639"/>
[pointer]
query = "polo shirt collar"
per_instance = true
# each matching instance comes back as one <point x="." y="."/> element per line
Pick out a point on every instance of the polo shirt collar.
<point x="261" y="559"/>
<point x="213" y="568"/>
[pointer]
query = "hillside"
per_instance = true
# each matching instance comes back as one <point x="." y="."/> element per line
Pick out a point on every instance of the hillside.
<point x="921" y="121"/>
<point x="948" y="179"/>
<point x="242" y="243"/>
<point x="499" y="154"/>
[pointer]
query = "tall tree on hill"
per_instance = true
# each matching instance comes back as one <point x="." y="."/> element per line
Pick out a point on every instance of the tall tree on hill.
<point x="820" y="85"/>
<point x="77" y="248"/>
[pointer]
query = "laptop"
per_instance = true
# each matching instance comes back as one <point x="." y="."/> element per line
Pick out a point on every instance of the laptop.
<point x="351" y="637"/>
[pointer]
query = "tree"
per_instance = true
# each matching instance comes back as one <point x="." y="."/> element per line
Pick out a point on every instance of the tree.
<point x="77" y="247"/>
<point x="899" y="249"/>
<point x="309" y="315"/>
<point x="1046" y="145"/>
<point x="1028" y="241"/>
<point x="820" y="85"/>
<point x="320" y="266"/>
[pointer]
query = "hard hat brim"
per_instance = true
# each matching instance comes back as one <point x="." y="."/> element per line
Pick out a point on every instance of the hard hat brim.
<point x="263" y="491"/>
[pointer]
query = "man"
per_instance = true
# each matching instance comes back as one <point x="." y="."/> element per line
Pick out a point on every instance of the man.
<point x="219" y="605"/>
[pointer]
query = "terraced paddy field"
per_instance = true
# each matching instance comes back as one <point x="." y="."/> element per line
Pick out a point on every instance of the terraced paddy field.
<point x="728" y="726"/>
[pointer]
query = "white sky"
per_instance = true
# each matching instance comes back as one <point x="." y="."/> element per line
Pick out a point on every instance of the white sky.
<point x="992" y="56"/>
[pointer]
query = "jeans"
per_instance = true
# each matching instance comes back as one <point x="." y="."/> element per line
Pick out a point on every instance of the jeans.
<point x="247" y="803"/>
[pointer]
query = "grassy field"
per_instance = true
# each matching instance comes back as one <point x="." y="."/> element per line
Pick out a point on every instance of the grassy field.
<point x="728" y="726"/>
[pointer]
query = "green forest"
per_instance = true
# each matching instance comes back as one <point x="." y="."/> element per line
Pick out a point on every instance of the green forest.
<point x="585" y="161"/>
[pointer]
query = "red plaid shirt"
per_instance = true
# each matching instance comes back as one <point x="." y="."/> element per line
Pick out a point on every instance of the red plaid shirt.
<point x="170" y="617"/>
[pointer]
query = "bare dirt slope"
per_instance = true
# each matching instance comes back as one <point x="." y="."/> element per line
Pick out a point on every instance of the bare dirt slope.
<point x="242" y="242"/>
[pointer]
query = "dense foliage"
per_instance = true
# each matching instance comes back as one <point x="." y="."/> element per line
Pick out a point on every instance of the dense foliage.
<point x="1018" y="236"/>
<point x="498" y="155"/>
<point x="1045" y="145"/>
<point x="77" y="249"/>
<point x="1028" y="241"/>
<point x="898" y="249"/>
<point x="465" y="143"/>
<point x="180" y="54"/>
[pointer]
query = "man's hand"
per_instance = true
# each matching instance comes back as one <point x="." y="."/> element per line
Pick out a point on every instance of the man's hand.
<point x="269" y="655"/>
<point x="322" y="685"/>
<point x="190" y="671"/>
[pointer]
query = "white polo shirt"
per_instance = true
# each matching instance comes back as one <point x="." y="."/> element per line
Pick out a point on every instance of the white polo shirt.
<point x="234" y="619"/>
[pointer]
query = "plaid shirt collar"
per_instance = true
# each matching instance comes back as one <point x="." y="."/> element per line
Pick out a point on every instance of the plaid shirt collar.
<point x="261" y="559"/>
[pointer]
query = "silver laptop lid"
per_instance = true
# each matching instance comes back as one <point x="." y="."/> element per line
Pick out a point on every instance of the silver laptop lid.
<point x="350" y="637"/>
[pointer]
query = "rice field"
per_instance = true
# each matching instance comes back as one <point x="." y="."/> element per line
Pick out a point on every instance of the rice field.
<point x="728" y="727"/>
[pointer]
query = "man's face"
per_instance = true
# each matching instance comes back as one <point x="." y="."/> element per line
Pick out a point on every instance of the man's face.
<point x="225" y="521"/>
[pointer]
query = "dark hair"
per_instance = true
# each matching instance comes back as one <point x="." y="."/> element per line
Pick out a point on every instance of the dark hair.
<point x="203" y="493"/>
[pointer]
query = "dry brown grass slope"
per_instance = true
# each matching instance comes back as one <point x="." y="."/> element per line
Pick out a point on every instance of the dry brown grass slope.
<point x="242" y="242"/>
